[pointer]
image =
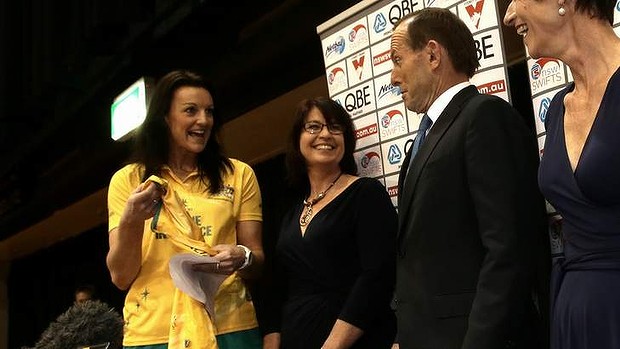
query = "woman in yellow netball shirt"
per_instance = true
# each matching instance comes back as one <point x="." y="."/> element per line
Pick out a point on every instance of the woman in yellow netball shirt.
<point x="204" y="203"/>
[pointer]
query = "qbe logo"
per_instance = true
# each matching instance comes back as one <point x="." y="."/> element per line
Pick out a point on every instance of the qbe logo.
<point x="356" y="100"/>
<point x="402" y="8"/>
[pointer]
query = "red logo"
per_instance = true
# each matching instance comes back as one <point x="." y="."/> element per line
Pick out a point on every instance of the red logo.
<point x="475" y="13"/>
<point x="358" y="65"/>
<point x="393" y="191"/>
<point x="332" y="75"/>
<point x="492" y="87"/>
<point x="381" y="58"/>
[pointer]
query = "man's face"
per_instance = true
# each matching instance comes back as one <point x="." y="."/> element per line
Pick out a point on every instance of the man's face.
<point x="82" y="297"/>
<point x="412" y="71"/>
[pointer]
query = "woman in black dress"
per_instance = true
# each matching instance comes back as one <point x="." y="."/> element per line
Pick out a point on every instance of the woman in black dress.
<point x="335" y="256"/>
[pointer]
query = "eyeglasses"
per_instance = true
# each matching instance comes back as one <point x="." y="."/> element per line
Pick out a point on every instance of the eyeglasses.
<point x="313" y="127"/>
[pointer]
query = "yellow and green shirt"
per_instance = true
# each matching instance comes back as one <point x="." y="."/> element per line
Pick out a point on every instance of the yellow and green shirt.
<point x="148" y="304"/>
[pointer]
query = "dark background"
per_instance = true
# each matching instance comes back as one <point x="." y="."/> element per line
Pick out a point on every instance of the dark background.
<point x="64" y="61"/>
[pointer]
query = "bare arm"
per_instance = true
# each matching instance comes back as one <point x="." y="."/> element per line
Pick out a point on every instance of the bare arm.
<point x="342" y="336"/>
<point x="249" y="234"/>
<point x="125" y="255"/>
<point x="271" y="341"/>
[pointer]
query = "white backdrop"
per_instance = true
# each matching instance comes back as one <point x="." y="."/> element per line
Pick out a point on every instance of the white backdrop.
<point x="356" y="52"/>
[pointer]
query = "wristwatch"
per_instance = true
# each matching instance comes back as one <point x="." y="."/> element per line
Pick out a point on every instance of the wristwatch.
<point x="248" y="257"/>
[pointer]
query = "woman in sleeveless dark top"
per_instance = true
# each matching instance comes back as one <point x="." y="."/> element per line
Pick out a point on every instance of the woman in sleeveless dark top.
<point x="580" y="169"/>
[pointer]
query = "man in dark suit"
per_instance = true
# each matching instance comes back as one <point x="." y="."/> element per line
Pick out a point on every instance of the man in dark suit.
<point x="471" y="218"/>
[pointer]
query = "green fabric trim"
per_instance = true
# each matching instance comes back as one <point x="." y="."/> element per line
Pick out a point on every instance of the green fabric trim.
<point x="155" y="346"/>
<point x="248" y="339"/>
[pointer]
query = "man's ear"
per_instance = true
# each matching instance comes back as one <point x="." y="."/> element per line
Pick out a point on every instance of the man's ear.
<point x="433" y="50"/>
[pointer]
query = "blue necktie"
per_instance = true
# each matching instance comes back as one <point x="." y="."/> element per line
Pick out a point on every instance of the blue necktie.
<point x="425" y="123"/>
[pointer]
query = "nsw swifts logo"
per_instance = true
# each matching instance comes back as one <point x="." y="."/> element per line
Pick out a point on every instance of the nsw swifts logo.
<point x="546" y="73"/>
<point x="474" y="10"/>
<point x="393" y="124"/>
<point x="370" y="160"/>
<point x="336" y="47"/>
<point x="386" y="120"/>
<point x="370" y="164"/>
<point x="538" y="68"/>
<point x="335" y="75"/>
<point x="356" y="31"/>
<point x="358" y="37"/>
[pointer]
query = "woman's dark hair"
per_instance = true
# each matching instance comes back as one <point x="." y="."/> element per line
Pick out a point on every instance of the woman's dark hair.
<point x="601" y="9"/>
<point x="446" y="28"/>
<point x="333" y="113"/>
<point x="151" y="145"/>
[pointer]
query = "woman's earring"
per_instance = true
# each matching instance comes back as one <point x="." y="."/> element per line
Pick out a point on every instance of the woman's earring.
<point x="561" y="10"/>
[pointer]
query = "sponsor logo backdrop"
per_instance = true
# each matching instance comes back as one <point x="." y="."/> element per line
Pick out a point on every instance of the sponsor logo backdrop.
<point x="356" y="52"/>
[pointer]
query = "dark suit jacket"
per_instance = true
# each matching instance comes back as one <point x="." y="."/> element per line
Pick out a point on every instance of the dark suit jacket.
<point x="471" y="232"/>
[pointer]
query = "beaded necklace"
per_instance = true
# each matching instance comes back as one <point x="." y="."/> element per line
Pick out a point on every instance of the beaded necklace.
<point x="305" y="218"/>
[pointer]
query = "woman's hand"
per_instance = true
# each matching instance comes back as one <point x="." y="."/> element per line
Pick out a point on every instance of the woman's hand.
<point x="125" y="254"/>
<point x="142" y="203"/>
<point x="230" y="257"/>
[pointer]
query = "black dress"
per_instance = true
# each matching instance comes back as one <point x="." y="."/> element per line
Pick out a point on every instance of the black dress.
<point x="586" y="280"/>
<point x="343" y="267"/>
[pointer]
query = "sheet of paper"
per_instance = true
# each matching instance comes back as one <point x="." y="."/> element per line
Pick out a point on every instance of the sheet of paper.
<point x="200" y="285"/>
